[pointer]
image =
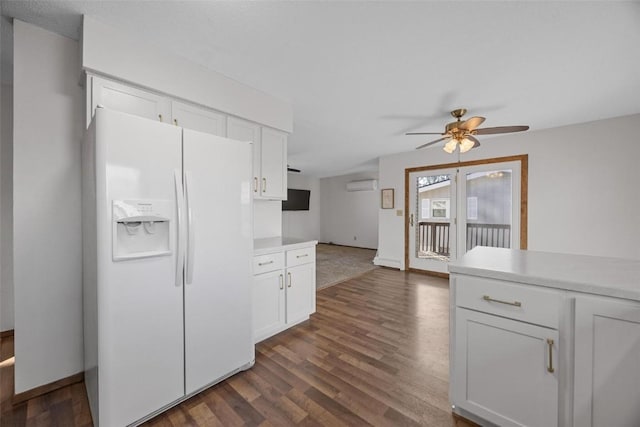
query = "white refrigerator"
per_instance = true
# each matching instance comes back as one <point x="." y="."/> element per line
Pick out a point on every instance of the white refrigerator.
<point x="167" y="235"/>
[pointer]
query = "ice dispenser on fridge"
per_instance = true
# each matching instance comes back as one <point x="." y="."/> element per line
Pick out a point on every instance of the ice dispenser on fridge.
<point x="141" y="228"/>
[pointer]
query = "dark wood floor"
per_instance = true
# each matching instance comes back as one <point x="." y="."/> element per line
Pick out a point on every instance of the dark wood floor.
<point x="375" y="353"/>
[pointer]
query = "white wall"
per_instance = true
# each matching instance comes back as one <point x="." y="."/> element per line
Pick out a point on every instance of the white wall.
<point x="568" y="168"/>
<point x="6" y="175"/>
<point x="303" y="224"/>
<point x="6" y="211"/>
<point x="267" y="218"/>
<point x="349" y="218"/>
<point x="48" y="124"/>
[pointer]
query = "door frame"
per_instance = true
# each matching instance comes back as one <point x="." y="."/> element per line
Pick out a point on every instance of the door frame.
<point x="524" y="185"/>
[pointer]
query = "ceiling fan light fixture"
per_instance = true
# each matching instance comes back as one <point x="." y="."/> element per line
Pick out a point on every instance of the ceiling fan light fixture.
<point x="450" y="146"/>
<point x="466" y="145"/>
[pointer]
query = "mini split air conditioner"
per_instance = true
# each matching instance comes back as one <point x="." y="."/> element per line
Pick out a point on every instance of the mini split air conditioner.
<point x="364" y="185"/>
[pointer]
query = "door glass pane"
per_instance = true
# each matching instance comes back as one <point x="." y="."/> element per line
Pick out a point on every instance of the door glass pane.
<point x="489" y="203"/>
<point x="434" y="217"/>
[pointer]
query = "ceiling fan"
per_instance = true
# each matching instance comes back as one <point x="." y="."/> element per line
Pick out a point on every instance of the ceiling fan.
<point x="463" y="132"/>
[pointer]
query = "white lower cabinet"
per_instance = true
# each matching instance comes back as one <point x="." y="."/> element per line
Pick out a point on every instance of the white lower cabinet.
<point x="284" y="290"/>
<point x="268" y="304"/>
<point x="607" y="363"/>
<point x="505" y="370"/>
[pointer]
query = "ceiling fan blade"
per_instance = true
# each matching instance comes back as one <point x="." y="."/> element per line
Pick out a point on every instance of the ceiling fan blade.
<point x="472" y="123"/>
<point x="424" y="133"/>
<point x="500" y="129"/>
<point x="476" y="143"/>
<point x="431" y="143"/>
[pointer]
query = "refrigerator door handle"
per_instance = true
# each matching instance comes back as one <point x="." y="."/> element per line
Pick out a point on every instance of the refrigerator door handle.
<point x="191" y="240"/>
<point x="179" y="225"/>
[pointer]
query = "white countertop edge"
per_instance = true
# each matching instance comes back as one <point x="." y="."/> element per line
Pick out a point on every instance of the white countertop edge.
<point x="276" y="244"/>
<point x="611" y="277"/>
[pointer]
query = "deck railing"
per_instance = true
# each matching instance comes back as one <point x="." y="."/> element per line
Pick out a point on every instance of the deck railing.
<point x="433" y="237"/>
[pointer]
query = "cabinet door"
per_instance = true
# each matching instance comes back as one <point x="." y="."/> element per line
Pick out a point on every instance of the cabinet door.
<point x="198" y="118"/>
<point x="607" y="363"/>
<point x="274" y="164"/>
<point x="301" y="287"/>
<point x="243" y="130"/>
<point x="502" y="370"/>
<point x="119" y="97"/>
<point x="268" y="304"/>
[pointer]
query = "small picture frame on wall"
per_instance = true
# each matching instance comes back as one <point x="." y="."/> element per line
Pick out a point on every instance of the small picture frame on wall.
<point x="387" y="198"/>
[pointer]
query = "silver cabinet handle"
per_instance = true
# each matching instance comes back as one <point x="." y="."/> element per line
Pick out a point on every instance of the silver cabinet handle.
<point x="515" y="303"/>
<point x="175" y="122"/>
<point x="302" y="256"/>
<point x="281" y="282"/>
<point x="264" y="185"/>
<point x="255" y="184"/>
<point x="265" y="263"/>
<point x="160" y="117"/>
<point x="411" y="220"/>
<point x="550" y="365"/>
<point x="289" y="274"/>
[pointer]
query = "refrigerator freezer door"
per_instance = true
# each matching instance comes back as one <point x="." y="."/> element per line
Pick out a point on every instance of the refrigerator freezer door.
<point x="140" y="327"/>
<point x="218" y="335"/>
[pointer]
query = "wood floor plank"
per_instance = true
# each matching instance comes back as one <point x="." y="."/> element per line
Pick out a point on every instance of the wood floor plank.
<point x="375" y="353"/>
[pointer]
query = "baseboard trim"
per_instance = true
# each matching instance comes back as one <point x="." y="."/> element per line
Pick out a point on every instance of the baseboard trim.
<point x="47" y="388"/>
<point x="386" y="262"/>
<point x="430" y="273"/>
<point x="7" y="334"/>
<point x="347" y="246"/>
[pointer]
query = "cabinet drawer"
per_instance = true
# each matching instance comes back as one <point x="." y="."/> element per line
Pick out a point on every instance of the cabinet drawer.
<point x="268" y="262"/>
<point x="512" y="300"/>
<point x="301" y="256"/>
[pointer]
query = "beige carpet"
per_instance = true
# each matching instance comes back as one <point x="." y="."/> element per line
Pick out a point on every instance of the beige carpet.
<point x="335" y="264"/>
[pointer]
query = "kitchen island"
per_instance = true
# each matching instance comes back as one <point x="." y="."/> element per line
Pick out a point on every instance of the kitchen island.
<point x="545" y="339"/>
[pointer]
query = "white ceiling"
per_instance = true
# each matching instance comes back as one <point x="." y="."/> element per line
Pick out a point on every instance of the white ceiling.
<point x="361" y="74"/>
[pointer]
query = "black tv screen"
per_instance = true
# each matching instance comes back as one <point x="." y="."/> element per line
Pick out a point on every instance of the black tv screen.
<point x="297" y="200"/>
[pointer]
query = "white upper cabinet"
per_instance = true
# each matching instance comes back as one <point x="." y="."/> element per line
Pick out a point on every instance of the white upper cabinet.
<point x="117" y="96"/>
<point x="198" y="118"/>
<point x="273" y="165"/>
<point x="269" y="157"/>
<point x="269" y="145"/>
<point x="243" y="130"/>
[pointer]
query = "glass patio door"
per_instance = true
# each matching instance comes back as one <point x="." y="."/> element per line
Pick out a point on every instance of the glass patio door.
<point x="489" y="206"/>
<point x="453" y="210"/>
<point x="432" y="219"/>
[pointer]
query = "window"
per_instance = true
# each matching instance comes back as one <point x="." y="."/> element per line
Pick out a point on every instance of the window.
<point x="424" y="209"/>
<point x="472" y="208"/>
<point x="440" y="208"/>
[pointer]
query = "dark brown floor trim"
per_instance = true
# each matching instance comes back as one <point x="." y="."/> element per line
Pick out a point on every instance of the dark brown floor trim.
<point x="6" y="334"/>
<point x="43" y="389"/>
<point x="430" y="273"/>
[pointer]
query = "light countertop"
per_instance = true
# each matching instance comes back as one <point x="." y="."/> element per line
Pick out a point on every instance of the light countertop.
<point x="614" y="277"/>
<point x="274" y="244"/>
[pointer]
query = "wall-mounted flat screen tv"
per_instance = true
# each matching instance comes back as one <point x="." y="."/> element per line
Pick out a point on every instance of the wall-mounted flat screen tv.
<point x="297" y="200"/>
